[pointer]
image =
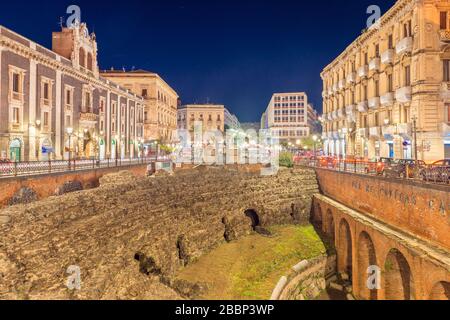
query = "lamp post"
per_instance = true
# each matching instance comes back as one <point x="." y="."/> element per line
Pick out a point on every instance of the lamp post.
<point x="315" y="138"/>
<point x="69" y="131"/>
<point x="416" y="158"/>
<point x="38" y="127"/>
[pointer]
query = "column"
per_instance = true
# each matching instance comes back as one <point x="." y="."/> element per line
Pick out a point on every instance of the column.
<point x="108" y="124"/>
<point x="58" y="130"/>
<point x="32" y="112"/>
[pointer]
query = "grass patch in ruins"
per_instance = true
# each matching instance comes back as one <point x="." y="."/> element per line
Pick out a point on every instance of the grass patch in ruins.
<point x="249" y="269"/>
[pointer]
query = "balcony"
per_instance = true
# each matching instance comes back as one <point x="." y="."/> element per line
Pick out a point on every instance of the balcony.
<point x="375" y="132"/>
<point x="403" y="95"/>
<point x="404" y="46"/>
<point x="334" y="115"/>
<point x="350" y="112"/>
<point x="363" y="132"/>
<point x="445" y="91"/>
<point x="335" y="88"/>
<point x="374" y="102"/>
<point x="387" y="57"/>
<point x="351" y="78"/>
<point x="444" y="35"/>
<point x="324" y="94"/>
<point x="389" y="131"/>
<point x="341" y="84"/>
<point x="362" y="106"/>
<point x="330" y="92"/>
<point x="363" y="71"/>
<point x="88" y="117"/>
<point x="405" y="130"/>
<point x="387" y="99"/>
<point x="374" y="64"/>
<point x="341" y="114"/>
<point x="330" y="116"/>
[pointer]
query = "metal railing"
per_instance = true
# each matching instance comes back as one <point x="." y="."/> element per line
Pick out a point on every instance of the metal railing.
<point x="430" y="174"/>
<point x="27" y="168"/>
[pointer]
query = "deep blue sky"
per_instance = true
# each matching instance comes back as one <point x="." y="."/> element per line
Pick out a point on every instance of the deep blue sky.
<point x="236" y="52"/>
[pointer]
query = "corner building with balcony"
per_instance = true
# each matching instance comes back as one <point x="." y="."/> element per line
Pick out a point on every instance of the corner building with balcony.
<point x="392" y="76"/>
<point x="54" y="104"/>
<point x="161" y="102"/>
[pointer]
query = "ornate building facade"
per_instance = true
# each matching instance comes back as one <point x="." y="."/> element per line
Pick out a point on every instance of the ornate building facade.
<point x="211" y="115"/>
<point x="390" y="84"/>
<point x="54" y="104"/>
<point x="161" y="102"/>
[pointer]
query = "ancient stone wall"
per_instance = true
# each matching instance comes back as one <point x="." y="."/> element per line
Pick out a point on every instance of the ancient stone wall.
<point x="130" y="233"/>
<point x="50" y="184"/>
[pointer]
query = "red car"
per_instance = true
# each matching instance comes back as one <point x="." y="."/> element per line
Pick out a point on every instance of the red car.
<point x="378" y="166"/>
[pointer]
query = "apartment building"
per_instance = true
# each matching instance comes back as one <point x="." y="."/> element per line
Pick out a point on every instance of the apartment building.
<point x="212" y="116"/>
<point x="161" y="102"/>
<point x="390" y="84"/>
<point x="54" y="104"/>
<point x="287" y="116"/>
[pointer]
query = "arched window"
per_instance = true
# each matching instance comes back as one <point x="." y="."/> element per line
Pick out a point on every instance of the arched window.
<point x="82" y="57"/>
<point x="89" y="62"/>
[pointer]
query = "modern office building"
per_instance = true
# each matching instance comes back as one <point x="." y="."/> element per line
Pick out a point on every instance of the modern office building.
<point x="287" y="116"/>
<point x="390" y="84"/>
<point x="55" y="105"/>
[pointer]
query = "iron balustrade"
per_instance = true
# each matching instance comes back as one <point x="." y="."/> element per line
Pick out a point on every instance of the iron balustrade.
<point x="430" y="174"/>
<point x="28" y="168"/>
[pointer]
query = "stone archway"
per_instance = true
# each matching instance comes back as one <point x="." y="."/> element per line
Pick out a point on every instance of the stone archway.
<point x="366" y="258"/>
<point x="345" y="249"/>
<point x="330" y="230"/>
<point x="254" y="218"/>
<point x="440" y="291"/>
<point x="398" y="279"/>
<point x="317" y="217"/>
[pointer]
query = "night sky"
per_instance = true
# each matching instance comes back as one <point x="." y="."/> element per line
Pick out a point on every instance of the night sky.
<point x="235" y="52"/>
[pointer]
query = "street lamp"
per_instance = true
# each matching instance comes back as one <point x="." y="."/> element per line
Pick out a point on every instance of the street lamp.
<point x="315" y="138"/>
<point x="69" y="131"/>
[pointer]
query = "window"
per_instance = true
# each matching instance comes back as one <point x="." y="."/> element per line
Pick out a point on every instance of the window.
<point x="377" y="88"/>
<point x="390" y="83"/>
<point x="46" y="93"/>
<point x="446" y="70"/>
<point x="68" y="97"/>
<point x="144" y="93"/>
<point x="364" y="93"/>
<point x="390" y="41"/>
<point x="16" y="112"/>
<point x="68" y="121"/>
<point x="444" y="20"/>
<point x="46" y="122"/>
<point x="16" y="83"/>
<point x="407" y="29"/>
<point x="407" y="76"/>
<point x="377" y="51"/>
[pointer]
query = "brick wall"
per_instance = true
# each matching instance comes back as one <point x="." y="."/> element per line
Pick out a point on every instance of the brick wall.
<point x="414" y="207"/>
<point x="46" y="185"/>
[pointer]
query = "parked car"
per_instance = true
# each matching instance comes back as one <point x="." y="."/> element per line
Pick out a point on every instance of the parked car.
<point x="404" y="168"/>
<point x="378" y="165"/>
<point x="438" y="171"/>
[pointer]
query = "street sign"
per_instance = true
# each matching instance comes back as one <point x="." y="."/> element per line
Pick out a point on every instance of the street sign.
<point x="46" y="150"/>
